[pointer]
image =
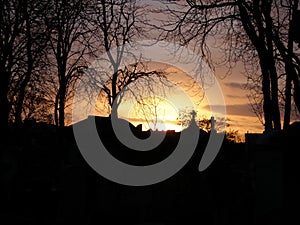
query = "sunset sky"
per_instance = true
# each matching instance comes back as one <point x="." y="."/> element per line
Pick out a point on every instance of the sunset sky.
<point x="239" y="116"/>
<point x="185" y="94"/>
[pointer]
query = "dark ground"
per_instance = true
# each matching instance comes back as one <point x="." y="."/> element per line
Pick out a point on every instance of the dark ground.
<point x="44" y="182"/>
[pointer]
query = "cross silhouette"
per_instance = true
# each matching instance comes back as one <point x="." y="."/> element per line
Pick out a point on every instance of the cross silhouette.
<point x="212" y="122"/>
<point x="193" y="114"/>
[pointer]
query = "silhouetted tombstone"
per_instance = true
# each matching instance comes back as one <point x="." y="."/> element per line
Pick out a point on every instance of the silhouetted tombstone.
<point x="212" y="122"/>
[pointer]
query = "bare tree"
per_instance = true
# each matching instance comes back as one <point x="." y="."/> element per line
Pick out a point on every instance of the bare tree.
<point x="12" y="78"/>
<point x="243" y="29"/>
<point x="11" y="50"/>
<point x="24" y="41"/>
<point x="67" y="30"/>
<point x="34" y="44"/>
<point x="152" y="110"/>
<point x="39" y="96"/>
<point x="127" y="76"/>
<point x="284" y="37"/>
<point x="116" y="24"/>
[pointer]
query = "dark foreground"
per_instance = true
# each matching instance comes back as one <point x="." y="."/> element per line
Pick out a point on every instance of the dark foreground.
<point x="43" y="182"/>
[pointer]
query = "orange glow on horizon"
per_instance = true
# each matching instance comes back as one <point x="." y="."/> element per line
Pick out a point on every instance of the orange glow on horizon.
<point x="160" y="126"/>
<point x="155" y="113"/>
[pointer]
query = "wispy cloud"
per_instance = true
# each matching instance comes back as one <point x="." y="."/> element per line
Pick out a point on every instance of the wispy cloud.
<point x="236" y="96"/>
<point x="238" y="109"/>
<point x="245" y="124"/>
<point x="237" y="85"/>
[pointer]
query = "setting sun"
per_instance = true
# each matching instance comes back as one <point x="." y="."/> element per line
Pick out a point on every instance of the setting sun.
<point x="155" y="113"/>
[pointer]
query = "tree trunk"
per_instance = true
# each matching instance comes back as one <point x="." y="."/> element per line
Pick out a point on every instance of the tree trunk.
<point x="267" y="104"/>
<point x="275" y="112"/>
<point x="62" y="97"/>
<point x="288" y="99"/>
<point x="270" y="62"/>
<point x="296" y="84"/>
<point x="257" y="38"/>
<point x="56" y="110"/>
<point x="288" y="84"/>
<point x="295" y="76"/>
<point x="62" y="68"/>
<point x="19" y="107"/>
<point x="4" y="103"/>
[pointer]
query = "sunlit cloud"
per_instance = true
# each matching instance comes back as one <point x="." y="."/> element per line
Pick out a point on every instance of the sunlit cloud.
<point x="238" y="109"/>
<point x="235" y="85"/>
<point x="235" y="96"/>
